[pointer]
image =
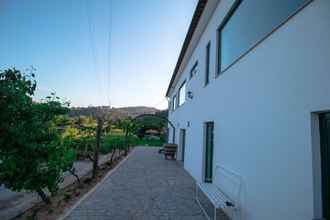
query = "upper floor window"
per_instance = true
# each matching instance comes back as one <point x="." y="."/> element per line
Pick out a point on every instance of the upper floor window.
<point x="207" y="64"/>
<point x="169" y="105"/>
<point x="182" y="94"/>
<point x="249" y="22"/>
<point x="174" y="103"/>
<point x="193" y="70"/>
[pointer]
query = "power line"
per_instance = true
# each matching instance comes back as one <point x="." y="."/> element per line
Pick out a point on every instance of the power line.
<point x="160" y="102"/>
<point x="92" y="46"/>
<point x="108" y="84"/>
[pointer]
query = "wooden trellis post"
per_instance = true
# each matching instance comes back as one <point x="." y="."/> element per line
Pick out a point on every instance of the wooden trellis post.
<point x="97" y="147"/>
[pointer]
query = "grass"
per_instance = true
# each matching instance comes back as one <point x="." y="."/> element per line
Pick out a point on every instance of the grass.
<point x="84" y="142"/>
<point x="151" y="142"/>
<point x="110" y="142"/>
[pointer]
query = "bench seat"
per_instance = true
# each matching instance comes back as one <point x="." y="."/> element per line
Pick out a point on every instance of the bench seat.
<point x="169" y="150"/>
<point x="223" y="207"/>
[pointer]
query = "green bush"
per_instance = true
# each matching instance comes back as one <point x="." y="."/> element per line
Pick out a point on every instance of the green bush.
<point x="150" y="142"/>
<point x="71" y="133"/>
<point x="110" y="142"/>
<point x="32" y="156"/>
<point x="83" y="144"/>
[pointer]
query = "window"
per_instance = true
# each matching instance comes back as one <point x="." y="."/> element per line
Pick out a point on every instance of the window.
<point x="248" y="23"/>
<point x="182" y="94"/>
<point x="208" y="157"/>
<point x="193" y="70"/>
<point x="324" y="120"/>
<point x="182" y="143"/>
<point x="174" y="103"/>
<point x="207" y="64"/>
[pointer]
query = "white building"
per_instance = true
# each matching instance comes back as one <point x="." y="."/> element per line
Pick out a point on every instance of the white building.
<point x="249" y="99"/>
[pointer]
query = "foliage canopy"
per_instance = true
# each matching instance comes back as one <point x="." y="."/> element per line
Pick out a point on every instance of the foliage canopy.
<point x="32" y="157"/>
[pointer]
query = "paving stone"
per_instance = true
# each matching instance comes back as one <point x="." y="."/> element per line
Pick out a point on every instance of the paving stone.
<point x="144" y="187"/>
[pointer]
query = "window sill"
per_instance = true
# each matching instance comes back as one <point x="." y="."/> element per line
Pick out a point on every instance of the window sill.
<point x="179" y="107"/>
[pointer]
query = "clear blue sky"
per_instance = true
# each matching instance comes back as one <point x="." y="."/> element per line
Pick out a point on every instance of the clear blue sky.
<point x="67" y="41"/>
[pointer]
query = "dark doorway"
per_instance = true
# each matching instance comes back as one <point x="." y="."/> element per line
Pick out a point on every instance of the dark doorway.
<point x="325" y="162"/>
<point x="208" y="144"/>
<point x="182" y="143"/>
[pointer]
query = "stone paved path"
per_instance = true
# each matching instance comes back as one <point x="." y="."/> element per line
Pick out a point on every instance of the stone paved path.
<point x="144" y="187"/>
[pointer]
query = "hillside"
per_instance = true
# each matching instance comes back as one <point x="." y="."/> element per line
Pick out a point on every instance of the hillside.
<point x="113" y="113"/>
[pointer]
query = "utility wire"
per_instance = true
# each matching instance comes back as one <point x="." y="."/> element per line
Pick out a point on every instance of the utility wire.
<point x="108" y="84"/>
<point x="92" y="46"/>
<point x="160" y="102"/>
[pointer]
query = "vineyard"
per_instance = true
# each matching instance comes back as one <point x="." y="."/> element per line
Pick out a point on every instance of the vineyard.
<point x="79" y="133"/>
<point x="41" y="140"/>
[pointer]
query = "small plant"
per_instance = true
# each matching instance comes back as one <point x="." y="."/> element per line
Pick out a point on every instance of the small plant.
<point x="67" y="196"/>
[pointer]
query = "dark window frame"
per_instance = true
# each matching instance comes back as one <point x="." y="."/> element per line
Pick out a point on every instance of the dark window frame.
<point x="231" y="11"/>
<point x="174" y="100"/>
<point x="192" y="70"/>
<point x="207" y="64"/>
<point x="324" y="152"/>
<point x="218" y="55"/>
<point x="208" y="171"/>
<point x="179" y="94"/>
<point x="219" y="30"/>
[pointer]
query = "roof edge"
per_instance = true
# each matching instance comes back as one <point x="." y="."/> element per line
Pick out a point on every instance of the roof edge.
<point x="191" y="30"/>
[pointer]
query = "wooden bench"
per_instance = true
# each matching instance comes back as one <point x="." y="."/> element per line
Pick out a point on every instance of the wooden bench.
<point x="223" y="195"/>
<point x="170" y="150"/>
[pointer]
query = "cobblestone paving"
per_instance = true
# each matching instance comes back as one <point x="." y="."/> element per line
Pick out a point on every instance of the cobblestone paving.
<point x="144" y="187"/>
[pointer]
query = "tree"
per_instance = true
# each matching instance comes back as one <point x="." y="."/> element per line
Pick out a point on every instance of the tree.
<point x="97" y="146"/>
<point x="32" y="157"/>
<point x="125" y="124"/>
<point x="149" y="122"/>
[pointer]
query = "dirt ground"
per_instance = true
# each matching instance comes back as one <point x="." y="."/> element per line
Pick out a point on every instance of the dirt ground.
<point x="66" y="197"/>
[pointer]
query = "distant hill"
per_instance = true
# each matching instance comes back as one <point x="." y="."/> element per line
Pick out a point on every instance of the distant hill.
<point x="113" y="113"/>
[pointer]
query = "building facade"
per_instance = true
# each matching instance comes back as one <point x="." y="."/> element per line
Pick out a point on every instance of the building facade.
<point x="250" y="97"/>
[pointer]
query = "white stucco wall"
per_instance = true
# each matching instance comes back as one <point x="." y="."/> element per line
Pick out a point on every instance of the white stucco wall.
<point x="262" y="109"/>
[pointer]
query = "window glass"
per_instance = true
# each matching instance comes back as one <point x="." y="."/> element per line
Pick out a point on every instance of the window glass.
<point x="182" y="93"/>
<point x="250" y="22"/>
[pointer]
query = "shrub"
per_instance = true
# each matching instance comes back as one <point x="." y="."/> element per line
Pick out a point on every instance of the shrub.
<point x="32" y="156"/>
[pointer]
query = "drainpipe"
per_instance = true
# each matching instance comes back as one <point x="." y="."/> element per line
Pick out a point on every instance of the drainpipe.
<point x="173" y="136"/>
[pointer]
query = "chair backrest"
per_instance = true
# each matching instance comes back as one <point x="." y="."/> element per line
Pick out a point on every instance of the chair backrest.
<point x="170" y="146"/>
<point x="228" y="183"/>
